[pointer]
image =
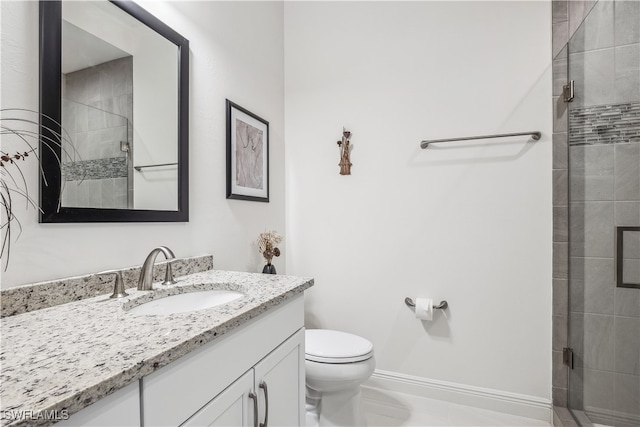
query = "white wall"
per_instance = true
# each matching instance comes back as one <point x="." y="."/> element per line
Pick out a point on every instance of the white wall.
<point x="465" y="222"/>
<point x="236" y="53"/>
<point x="470" y="223"/>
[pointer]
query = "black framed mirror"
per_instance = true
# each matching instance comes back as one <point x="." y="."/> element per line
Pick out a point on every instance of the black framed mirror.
<point x="114" y="94"/>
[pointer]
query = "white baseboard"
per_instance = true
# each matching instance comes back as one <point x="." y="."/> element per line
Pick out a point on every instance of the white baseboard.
<point x="462" y="394"/>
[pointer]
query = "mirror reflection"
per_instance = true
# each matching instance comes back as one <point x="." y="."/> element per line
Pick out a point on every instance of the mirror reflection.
<point x="120" y="110"/>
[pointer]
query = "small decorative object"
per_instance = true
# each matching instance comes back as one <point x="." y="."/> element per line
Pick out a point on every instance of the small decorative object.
<point x="345" y="149"/>
<point x="267" y="242"/>
<point x="247" y="155"/>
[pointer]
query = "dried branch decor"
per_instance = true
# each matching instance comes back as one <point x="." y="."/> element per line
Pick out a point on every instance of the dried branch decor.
<point x="21" y="142"/>
<point x="267" y="242"/>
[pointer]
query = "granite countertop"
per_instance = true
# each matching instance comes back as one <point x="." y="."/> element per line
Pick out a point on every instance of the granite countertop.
<point x="71" y="355"/>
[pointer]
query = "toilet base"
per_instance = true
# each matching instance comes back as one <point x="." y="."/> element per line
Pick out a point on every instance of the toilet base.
<point x="334" y="409"/>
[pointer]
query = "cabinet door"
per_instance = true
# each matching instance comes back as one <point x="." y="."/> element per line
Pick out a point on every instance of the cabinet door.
<point x="175" y="392"/>
<point x="279" y="384"/>
<point x="233" y="407"/>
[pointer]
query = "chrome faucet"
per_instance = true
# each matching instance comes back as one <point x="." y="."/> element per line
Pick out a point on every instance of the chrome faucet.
<point x="146" y="273"/>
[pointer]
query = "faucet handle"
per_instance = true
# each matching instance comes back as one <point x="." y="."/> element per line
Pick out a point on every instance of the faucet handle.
<point x="118" y="288"/>
<point x="168" y="274"/>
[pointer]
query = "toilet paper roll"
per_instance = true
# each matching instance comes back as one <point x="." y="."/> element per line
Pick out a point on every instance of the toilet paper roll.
<point x="424" y="308"/>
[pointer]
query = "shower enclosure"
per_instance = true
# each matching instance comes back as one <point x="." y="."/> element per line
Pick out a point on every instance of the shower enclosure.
<point x="97" y="171"/>
<point x="603" y="57"/>
<point x="97" y="115"/>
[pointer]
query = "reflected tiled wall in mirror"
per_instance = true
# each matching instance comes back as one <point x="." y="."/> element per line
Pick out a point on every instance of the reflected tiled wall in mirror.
<point x="97" y="112"/>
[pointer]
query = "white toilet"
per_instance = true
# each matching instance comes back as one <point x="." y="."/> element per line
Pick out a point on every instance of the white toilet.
<point x="336" y="364"/>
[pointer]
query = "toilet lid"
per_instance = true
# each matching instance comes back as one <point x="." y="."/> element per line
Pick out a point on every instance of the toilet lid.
<point x="326" y="346"/>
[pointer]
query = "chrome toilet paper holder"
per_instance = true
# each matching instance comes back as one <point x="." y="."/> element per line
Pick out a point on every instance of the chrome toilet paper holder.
<point x="442" y="306"/>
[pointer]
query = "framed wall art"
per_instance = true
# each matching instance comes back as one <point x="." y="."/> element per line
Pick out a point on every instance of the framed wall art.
<point x="247" y="155"/>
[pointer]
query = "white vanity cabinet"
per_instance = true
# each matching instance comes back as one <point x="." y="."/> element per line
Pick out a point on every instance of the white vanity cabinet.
<point x="121" y="408"/>
<point x="279" y="382"/>
<point x="214" y="384"/>
<point x="268" y="394"/>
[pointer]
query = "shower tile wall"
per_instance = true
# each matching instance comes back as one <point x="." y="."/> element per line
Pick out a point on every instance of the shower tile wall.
<point x="603" y="184"/>
<point x="98" y="112"/>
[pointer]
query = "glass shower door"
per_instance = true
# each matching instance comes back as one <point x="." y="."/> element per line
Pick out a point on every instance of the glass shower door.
<point x="604" y="216"/>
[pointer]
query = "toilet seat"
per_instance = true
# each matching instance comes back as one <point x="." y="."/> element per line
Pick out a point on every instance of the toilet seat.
<point x="335" y="347"/>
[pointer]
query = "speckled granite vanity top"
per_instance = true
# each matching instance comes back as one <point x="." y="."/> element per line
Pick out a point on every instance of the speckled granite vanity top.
<point x="71" y="355"/>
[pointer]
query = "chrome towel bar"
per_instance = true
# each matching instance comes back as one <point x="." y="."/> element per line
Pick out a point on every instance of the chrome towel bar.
<point x="139" y="168"/>
<point x="442" y="306"/>
<point x="535" y="135"/>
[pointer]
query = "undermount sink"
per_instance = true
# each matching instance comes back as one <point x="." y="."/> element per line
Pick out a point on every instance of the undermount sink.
<point x="189" y="301"/>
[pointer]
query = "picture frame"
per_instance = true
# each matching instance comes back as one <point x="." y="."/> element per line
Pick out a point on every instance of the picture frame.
<point x="247" y="155"/>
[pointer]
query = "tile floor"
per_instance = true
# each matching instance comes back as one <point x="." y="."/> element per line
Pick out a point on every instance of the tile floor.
<point x="386" y="408"/>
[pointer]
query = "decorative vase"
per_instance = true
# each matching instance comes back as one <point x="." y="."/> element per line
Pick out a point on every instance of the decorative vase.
<point x="269" y="269"/>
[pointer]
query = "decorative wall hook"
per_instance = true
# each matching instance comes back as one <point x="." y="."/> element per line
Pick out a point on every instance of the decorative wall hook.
<point x="345" y="150"/>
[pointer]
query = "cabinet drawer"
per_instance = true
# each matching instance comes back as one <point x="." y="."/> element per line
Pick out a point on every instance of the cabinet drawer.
<point x="175" y="392"/>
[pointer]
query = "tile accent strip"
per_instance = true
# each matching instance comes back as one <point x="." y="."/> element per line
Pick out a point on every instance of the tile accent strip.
<point x="604" y="124"/>
<point x="36" y="296"/>
<point x="114" y="167"/>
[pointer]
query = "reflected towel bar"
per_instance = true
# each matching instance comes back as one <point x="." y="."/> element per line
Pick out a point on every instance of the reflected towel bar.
<point x="442" y="306"/>
<point x="139" y="168"/>
<point x="535" y="135"/>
